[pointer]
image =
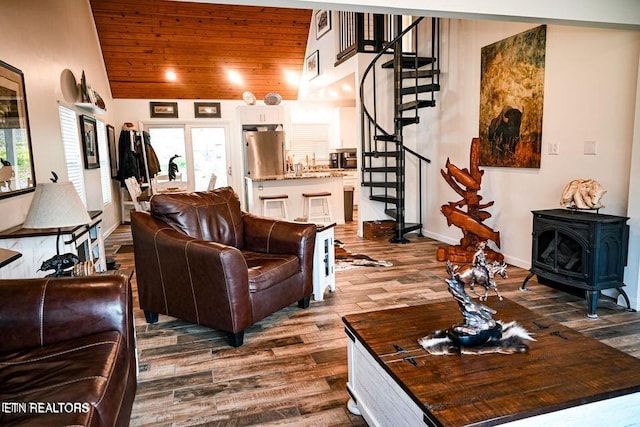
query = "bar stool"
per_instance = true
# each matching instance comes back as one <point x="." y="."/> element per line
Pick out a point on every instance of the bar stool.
<point x="324" y="215"/>
<point x="281" y="199"/>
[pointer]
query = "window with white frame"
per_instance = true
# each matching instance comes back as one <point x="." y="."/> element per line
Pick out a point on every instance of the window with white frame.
<point x="71" y="144"/>
<point x="105" y="170"/>
<point x="310" y="140"/>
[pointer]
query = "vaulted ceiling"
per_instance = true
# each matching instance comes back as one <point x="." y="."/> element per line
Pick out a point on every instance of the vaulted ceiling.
<point x="202" y="44"/>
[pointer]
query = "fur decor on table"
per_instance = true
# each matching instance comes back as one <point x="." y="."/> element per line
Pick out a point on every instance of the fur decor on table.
<point x="582" y="194"/>
<point x="512" y="341"/>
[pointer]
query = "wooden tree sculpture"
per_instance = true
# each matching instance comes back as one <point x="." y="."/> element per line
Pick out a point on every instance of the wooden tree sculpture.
<point x="467" y="184"/>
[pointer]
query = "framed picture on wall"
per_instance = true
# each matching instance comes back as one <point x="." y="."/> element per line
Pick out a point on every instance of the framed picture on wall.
<point x="113" y="151"/>
<point x="164" y="110"/>
<point x="206" y="110"/>
<point x="89" y="142"/>
<point x="312" y="66"/>
<point x="323" y="23"/>
<point x="17" y="174"/>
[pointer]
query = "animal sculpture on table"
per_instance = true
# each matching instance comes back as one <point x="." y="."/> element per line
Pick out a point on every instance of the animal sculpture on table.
<point x="466" y="182"/>
<point x="582" y="194"/>
<point x="173" y="167"/>
<point x="478" y="333"/>
<point x="480" y="272"/>
<point x="62" y="264"/>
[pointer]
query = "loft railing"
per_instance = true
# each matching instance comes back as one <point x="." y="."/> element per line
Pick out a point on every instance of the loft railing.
<point x="363" y="32"/>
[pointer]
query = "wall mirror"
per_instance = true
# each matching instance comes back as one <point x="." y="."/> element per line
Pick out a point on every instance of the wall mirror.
<point x="17" y="174"/>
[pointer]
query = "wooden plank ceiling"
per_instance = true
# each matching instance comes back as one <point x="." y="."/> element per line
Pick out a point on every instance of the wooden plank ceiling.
<point x="143" y="39"/>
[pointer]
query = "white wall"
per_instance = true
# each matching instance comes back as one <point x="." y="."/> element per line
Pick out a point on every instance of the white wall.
<point x="590" y="82"/>
<point x="632" y="272"/>
<point x="42" y="42"/>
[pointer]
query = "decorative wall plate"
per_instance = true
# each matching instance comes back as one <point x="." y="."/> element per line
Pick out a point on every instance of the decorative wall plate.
<point x="249" y="98"/>
<point x="69" y="86"/>
<point x="272" y="98"/>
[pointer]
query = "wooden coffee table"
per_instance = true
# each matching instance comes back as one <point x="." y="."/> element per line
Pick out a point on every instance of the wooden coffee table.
<point x="564" y="379"/>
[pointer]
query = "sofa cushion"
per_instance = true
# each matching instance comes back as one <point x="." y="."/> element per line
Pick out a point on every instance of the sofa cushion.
<point x="210" y="215"/>
<point x="266" y="270"/>
<point x="84" y="381"/>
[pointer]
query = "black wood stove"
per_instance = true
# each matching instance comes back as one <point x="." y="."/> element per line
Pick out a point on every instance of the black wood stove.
<point x="580" y="249"/>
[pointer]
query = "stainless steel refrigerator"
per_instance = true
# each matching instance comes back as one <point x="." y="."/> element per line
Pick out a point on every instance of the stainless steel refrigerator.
<point x="265" y="151"/>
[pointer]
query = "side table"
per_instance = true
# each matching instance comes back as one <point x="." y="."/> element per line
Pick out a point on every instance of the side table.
<point x="7" y="256"/>
<point x="324" y="259"/>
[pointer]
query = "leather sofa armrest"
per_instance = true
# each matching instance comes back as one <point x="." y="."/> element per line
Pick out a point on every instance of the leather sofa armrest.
<point x="39" y="312"/>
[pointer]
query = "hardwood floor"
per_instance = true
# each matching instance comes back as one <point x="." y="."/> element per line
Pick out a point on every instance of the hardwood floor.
<point x="292" y="368"/>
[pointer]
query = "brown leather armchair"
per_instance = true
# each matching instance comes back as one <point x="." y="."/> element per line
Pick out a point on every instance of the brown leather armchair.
<point x="200" y="258"/>
<point x="67" y="354"/>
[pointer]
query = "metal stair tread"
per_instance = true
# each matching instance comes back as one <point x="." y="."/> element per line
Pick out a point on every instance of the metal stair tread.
<point x="376" y="154"/>
<point x="421" y="103"/>
<point x="405" y="121"/>
<point x="385" y="138"/>
<point x="379" y="184"/>
<point x="409" y="61"/>
<point x="380" y="169"/>
<point x="411" y="226"/>
<point x="412" y="90"/>
<point x="385" y="199"/>
<point x="421" y="74"/>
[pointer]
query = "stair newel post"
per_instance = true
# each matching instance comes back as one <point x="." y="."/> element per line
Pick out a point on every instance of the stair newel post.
<point x="435" y="53"/>
<point x="420" y="197"/>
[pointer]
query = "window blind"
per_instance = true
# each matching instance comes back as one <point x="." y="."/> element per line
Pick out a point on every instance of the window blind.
<point x="71" y="143"/>
<point x="105" y="170"/>
<point x="310" y="138"/>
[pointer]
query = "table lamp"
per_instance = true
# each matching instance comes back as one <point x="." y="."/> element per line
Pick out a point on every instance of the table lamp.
<point x="56" y="205"/>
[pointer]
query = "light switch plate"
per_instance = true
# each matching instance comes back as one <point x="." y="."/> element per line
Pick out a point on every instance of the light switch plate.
<point x="553" y="149"/>
<point x="590" y="148"/>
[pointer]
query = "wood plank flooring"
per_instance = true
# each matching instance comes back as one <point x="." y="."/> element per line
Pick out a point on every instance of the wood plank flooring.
<point x="292" y="368"/>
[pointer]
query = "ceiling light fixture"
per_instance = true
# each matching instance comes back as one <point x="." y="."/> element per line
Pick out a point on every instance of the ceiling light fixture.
<point x="171" y="76"/>
<point x="235" y="77"/>
<point x="292" y="78"/>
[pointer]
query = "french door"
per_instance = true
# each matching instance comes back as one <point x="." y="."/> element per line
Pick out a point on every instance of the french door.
<point x="201" y="150"/>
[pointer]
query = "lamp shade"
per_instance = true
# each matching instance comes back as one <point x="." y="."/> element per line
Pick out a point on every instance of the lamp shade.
<point x="56" y="205"/>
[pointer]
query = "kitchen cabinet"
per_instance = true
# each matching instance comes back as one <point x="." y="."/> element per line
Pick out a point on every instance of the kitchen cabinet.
<point x="257" y="115"/>
<point x="348" y="123"/>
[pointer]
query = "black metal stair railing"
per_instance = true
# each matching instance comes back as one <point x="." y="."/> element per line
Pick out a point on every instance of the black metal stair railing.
<point x="383" y="152"/>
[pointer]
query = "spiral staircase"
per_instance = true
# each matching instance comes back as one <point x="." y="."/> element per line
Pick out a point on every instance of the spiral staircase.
<point x="384" y="155"/>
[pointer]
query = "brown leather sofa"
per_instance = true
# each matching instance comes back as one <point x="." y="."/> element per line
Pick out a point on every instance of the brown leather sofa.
<point x="67" y="352"/>
<point x="201" y="259"/>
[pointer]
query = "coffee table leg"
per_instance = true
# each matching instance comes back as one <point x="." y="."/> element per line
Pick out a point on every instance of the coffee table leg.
<point x="353" y="407"/>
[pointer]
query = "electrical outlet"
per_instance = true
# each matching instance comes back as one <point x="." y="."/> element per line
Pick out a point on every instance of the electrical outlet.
<point x="553" y="149"/>
<point x="590" y="148"/>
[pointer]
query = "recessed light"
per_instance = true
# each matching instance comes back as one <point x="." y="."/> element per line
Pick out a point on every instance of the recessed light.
<point x="235" y="77"/>
<point x="293" y="78"/>
<point x="171" y="76"/>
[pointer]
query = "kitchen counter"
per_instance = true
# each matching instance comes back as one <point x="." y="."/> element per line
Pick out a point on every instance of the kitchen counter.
<point x="294" y="186"/>
<point x="308" y="175"/>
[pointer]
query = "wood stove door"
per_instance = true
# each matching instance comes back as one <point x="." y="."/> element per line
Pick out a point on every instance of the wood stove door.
<point x="560" y="253"/>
